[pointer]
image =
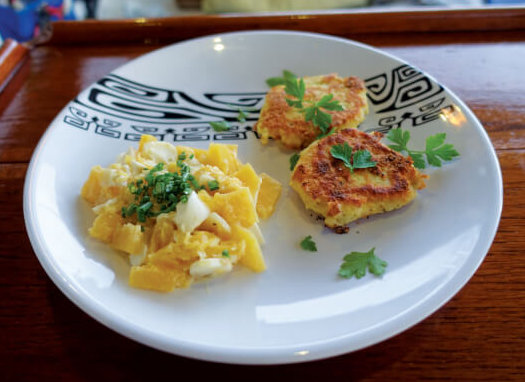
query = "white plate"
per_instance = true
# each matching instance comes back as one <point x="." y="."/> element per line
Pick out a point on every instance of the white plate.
<point x="298" y="310"/>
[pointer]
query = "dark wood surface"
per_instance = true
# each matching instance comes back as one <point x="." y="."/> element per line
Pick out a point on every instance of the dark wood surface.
<point x="479" y="335"/>
<point x="12" y="55"/>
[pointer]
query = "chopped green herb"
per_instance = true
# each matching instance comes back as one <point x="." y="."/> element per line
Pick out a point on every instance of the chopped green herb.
<point x="356" y="264"/>
<point x="194" y="183"/>
<point x="308" y="244"/>
<point x="220" y="126"/>
<point x="142" y="211"/>
<point x="129" y="211"/>
<point x="225" y="253"/>
<point x="213" y="185"/>
<point x="241" y="117"/>
<point x="293" y="160"/>
<point x="160" y="191"/>
<point x="133" y="188"/>
<point x="158" y="167"/>
<point x="436" y="150"/>
<point x="359" y="159"/>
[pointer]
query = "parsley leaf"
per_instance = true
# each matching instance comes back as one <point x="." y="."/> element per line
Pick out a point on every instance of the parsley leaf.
<point x="275" y="81"/>
<point x="359" y="159"/>
<point x="220" y="126"/>
<point x="295" y="88"/>
<point x="328" y="103"/>
<point x="318" y="117"/>
<point x="313" y="111"/>
<point x="363" y="159"/>
<point x="225" y="253"/>
<point x="241" y="117"/>
<point x="436" y="150"/>
<point x="419" y="160"/>
<point x="293" y="160"/>
<point x="400" y="138"/>
<point x="308" y="244"/>
<point x="342" y="152"/>
<point x="357" y="263"/>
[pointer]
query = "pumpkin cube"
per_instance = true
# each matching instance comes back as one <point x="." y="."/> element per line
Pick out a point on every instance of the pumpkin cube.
<point x="162" y="233"/>
<point x="269" y="194"/>
<point x="105" y="225"/>
<point x="252" y="257"/>
<point x="91" y="190"/>
<point x="154" y="278"/>
<point x="128" y="238"/>
<point x="172" y="256"/>
<point x="216" y="224"/>
<point x="236" y="207"/>
<point x="224" y="157"/>
<point x="249" y="178"/>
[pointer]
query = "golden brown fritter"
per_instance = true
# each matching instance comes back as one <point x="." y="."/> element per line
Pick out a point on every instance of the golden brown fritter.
<point x="280" y="121"/>
<point x="330" y="189"/>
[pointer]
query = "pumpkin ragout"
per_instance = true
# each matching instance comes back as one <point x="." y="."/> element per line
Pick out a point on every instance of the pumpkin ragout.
<point x="181" y="214"/>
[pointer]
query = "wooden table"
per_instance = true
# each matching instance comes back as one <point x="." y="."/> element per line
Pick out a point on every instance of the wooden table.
<point x="478" y="335"/>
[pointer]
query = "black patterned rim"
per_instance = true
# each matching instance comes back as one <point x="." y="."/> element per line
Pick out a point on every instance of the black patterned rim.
<point x="119" y="108"/>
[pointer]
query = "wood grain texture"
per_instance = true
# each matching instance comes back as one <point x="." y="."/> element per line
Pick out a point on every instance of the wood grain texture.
<point x="12" y="54"/>
<point x="477" y="336"/>
<point x="335" y="23"/>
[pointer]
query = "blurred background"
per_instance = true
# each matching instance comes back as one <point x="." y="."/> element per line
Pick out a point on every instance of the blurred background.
<point x="24" y="19"/>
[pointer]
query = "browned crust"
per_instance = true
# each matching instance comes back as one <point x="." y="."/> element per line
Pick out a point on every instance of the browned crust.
<point x="296" y="133"/>
<point x="331" y="186"/>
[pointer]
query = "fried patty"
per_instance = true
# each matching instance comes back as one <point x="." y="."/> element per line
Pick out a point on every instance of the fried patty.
<point x="280" y="121"/>
<point x="330" y="189"/>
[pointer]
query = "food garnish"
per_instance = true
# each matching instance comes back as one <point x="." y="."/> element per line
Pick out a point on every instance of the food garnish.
<point x="220" y="126"/>
<point x="181" y="214"/>
<point x="297" y="111"/>
<point x="275" y="81"/>
<point x="160" y="192"/>
<point x="293" y="160"/>
<point x="357" y="263"/>
<point x="358" y="159"/>
<point x="308" y="244"/>
<point x="436" y="150"/>
<point x="328" y="182"/>
<point x="241" y="117"/>
<point x="295" y="88"/>
<point x="213" y="185"/>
